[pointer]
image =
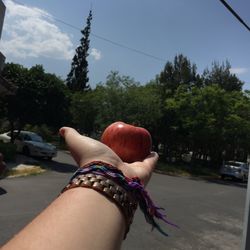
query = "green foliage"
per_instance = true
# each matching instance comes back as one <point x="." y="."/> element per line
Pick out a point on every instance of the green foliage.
<point x="8" y="150"/>
<point x="177" y="73"/>
<point x="41" y="98"/>
<point x="209" y="121"/>
<point x="221" y="75"/>
<point x="144" y="106"/>
<point x="42" y="130"/>
<point x="77" y="79"/>
<point x="121" y="98"/>
<point x="207" y="115"/>
<point x="83" y="111"/>
<point x="112" y="99"/>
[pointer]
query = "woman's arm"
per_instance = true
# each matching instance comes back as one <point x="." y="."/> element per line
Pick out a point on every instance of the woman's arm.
<point x="82" y="218"/>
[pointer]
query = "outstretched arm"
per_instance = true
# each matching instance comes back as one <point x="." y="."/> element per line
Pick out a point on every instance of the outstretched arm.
<point x="82" y="218"/>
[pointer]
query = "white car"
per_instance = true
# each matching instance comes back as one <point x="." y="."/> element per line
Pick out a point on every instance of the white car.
<point x="235" y="169"/>
<point x="32" y="144"/>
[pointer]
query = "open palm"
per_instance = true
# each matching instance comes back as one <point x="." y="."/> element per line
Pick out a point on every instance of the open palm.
<point x="85" y="150"/>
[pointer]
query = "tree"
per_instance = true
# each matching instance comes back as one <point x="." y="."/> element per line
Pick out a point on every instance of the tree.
<point x="52" y="98"/>
<point x="221" y="75"/>
<point x="83" y="111"/>
<point x="112" y="99"/>
<point x="77" y="79"/>
<point x="121" y="98"/>
<point x="199" y="113"/>
<point x="208" y="121"/>
<point x="179" y="72"/>
<point x="15" y="107"/>
<point x="144" y="109"/>
<point x="41" y="98"/>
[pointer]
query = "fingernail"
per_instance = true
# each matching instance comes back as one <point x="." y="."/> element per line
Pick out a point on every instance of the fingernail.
<point x="62" y="131"/>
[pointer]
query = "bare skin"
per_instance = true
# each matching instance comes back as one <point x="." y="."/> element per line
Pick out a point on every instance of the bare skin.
<point x="82" y="218"/>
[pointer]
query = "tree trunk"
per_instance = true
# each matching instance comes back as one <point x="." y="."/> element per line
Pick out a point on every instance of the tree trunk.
<point x="12" y="139"/>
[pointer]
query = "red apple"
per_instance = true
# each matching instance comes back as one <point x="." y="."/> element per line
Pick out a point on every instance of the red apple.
<point x="129" y="142"/>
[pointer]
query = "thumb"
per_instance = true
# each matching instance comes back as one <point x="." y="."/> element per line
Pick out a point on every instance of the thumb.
<point x="151" y="161"/>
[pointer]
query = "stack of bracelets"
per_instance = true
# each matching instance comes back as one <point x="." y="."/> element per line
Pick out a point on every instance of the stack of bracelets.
<point x="125" y="192"/>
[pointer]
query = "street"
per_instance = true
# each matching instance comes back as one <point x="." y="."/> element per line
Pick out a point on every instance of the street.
<point x="209" y="213"/>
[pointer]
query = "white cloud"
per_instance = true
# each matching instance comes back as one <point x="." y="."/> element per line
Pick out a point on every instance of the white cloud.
<point x="32" y="32"/>
<point x="97" y="55"/>
<point x="238" y="70"/>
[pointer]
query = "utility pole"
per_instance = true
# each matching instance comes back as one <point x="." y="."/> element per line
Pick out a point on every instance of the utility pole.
<point x="246" y="225"/>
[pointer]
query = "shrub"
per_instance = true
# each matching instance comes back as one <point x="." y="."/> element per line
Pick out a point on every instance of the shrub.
<point x="8" y="150"/>
<point x="43" y="130"/>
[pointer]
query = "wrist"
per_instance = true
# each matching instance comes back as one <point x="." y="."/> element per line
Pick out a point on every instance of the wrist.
<point x="100" y="208"/>
<point x="111" y="182"/>
<point x="94" y="217"/>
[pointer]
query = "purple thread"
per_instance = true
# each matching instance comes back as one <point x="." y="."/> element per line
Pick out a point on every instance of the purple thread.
<point x="133" y="185"/>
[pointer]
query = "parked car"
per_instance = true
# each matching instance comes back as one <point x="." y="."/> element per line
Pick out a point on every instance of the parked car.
<point x="235" y="169"/>
<point x="187" y="157"/>
<point x="30" y="143"/>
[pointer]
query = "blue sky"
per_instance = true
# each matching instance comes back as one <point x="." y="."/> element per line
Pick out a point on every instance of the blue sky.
<point x="204" y="31"/>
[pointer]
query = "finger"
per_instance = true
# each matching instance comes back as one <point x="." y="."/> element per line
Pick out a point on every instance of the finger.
<point x="85" y="149"/>
<point x="72" y="137"/>
<point x="150" y="161"/>
<point x="77" y="144"/>
<point x="142" y="169"/>
<point x="65" y="131"/>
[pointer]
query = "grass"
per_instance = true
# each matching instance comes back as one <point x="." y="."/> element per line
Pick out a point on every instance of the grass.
<point x="186" y="170"/>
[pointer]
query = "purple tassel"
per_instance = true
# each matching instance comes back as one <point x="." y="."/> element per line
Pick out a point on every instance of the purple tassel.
<point x="134" y="186"/>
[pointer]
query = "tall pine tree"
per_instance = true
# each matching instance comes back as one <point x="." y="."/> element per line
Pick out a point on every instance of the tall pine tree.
<point x="77" y="79"/>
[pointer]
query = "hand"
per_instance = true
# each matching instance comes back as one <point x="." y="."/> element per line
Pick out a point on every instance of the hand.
<point x="85" y="150"/>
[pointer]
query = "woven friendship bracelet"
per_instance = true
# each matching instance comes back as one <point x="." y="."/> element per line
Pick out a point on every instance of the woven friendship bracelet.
<point x="111" y="190"/>
<point x="125" y="192"/>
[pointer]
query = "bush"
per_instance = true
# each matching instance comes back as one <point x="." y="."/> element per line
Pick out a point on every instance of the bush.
<point x="4" y="125"/>
<point x="8" y="150"/>
<point x="42" y="130"/>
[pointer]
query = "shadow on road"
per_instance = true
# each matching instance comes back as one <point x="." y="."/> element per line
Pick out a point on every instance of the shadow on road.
<point x="227" y="182"/>
<point x="212" y="180"/>
<point x="234" y="183"/>
<point x="2" y="191"/>
<point x="58" y="166"/>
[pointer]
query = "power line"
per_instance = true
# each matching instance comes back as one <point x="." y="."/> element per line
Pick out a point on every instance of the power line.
<point x="234" y="13"/>
<point x="129" y="48"/>
<point x="97" y="36"/>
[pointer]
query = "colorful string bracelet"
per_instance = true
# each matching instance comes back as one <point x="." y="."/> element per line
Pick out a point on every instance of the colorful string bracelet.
<point x="125" y="192"/>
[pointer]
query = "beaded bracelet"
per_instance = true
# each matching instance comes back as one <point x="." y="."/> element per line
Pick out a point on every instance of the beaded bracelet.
<point x="125" y="192"/>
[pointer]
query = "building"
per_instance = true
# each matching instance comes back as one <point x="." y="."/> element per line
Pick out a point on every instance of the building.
<point x="2" y="14"/>
<point x="5" y="86"/>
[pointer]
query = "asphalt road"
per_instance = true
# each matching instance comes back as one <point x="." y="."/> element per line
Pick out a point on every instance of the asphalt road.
<point x="209" y="213"/>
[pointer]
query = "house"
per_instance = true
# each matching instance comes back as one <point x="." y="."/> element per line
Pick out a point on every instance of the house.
<point x="2" y="13"/>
